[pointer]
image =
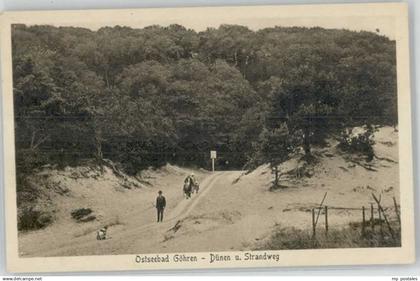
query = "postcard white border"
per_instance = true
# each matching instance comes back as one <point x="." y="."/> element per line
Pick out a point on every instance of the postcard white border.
<point x="401" y="255"/>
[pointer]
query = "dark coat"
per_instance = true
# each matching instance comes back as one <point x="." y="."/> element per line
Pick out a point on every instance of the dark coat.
<point x="160" y="202"/>
<point x="190" y="180"/>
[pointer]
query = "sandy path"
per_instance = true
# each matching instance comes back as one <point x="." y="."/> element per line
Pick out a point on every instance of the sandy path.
<point x="121" y="240"/>
<point x="227" y="214"/>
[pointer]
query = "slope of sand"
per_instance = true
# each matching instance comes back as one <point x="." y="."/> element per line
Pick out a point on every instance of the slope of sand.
<point x="233" y="211"/>
<point x="238" y="214"/>
<point x="113" y="204"/>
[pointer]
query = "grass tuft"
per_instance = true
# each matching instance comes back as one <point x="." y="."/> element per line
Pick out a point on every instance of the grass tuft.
<point x="346" y="237"/>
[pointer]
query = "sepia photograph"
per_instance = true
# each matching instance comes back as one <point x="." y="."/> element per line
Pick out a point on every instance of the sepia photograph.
<point x="208" y="137"/>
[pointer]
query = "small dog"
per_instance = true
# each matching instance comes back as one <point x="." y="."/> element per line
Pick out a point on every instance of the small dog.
<point x="101" y="233"/>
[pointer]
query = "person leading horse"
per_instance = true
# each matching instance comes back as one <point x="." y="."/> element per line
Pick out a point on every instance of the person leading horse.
<point x="190" y="185"/>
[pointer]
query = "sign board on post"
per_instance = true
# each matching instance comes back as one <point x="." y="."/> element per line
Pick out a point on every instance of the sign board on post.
<point x="213" y="156"/>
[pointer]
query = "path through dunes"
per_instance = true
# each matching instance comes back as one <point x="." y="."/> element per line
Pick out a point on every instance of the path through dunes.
<point x="133" y="239"/>
<point x="232" y="211"/>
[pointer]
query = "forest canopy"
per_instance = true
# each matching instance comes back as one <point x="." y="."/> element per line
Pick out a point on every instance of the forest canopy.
<point x="145" y="97"/>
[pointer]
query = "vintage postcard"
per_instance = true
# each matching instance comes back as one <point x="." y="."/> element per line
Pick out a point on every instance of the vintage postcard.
<point x="207" y="137"/>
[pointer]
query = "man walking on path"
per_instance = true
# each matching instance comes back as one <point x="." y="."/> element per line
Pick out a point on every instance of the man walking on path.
<point x="160" y="206"/>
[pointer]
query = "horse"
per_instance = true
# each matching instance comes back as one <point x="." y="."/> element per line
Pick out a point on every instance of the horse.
<point x="195" y="187"/>
<point x="187" y="189"/>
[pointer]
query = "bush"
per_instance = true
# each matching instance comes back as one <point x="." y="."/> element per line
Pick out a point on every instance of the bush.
<point x="31" y="219"/>
<point x="79" y="214"/>
<point x="361" y="143"/>
<point x="31" y="214"/>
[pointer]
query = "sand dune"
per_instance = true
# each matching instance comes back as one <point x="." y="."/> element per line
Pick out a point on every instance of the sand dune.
<point x="233" y="211"/>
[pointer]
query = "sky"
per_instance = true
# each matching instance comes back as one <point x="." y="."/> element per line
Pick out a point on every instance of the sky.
<point x="255" y="17"/>
<point x="381" y="25"/>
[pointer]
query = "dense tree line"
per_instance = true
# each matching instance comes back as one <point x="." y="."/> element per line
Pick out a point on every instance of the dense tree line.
<point x="144" y="97"/>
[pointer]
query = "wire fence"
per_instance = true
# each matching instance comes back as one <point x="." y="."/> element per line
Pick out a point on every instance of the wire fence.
<point x="373" y="218"/>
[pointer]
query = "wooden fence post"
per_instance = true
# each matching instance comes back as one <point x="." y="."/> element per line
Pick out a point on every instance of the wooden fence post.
<point x="372" y="218"/>
<point x="326" y="220"/>
<point x="363" y="221"/>
<point x="380" y="209"/>
<point x="397" y="212"/>
<point x="313" y="224"/>
<point x="320" y="208"/>
<point x="380" y="223"/>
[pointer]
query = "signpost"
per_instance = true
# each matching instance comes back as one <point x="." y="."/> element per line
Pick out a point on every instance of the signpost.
<point x="213" y="156"/>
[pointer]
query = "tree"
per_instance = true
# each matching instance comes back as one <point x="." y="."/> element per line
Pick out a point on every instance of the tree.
<point x="274" y="146"/>
<point x="143" y="97"/>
